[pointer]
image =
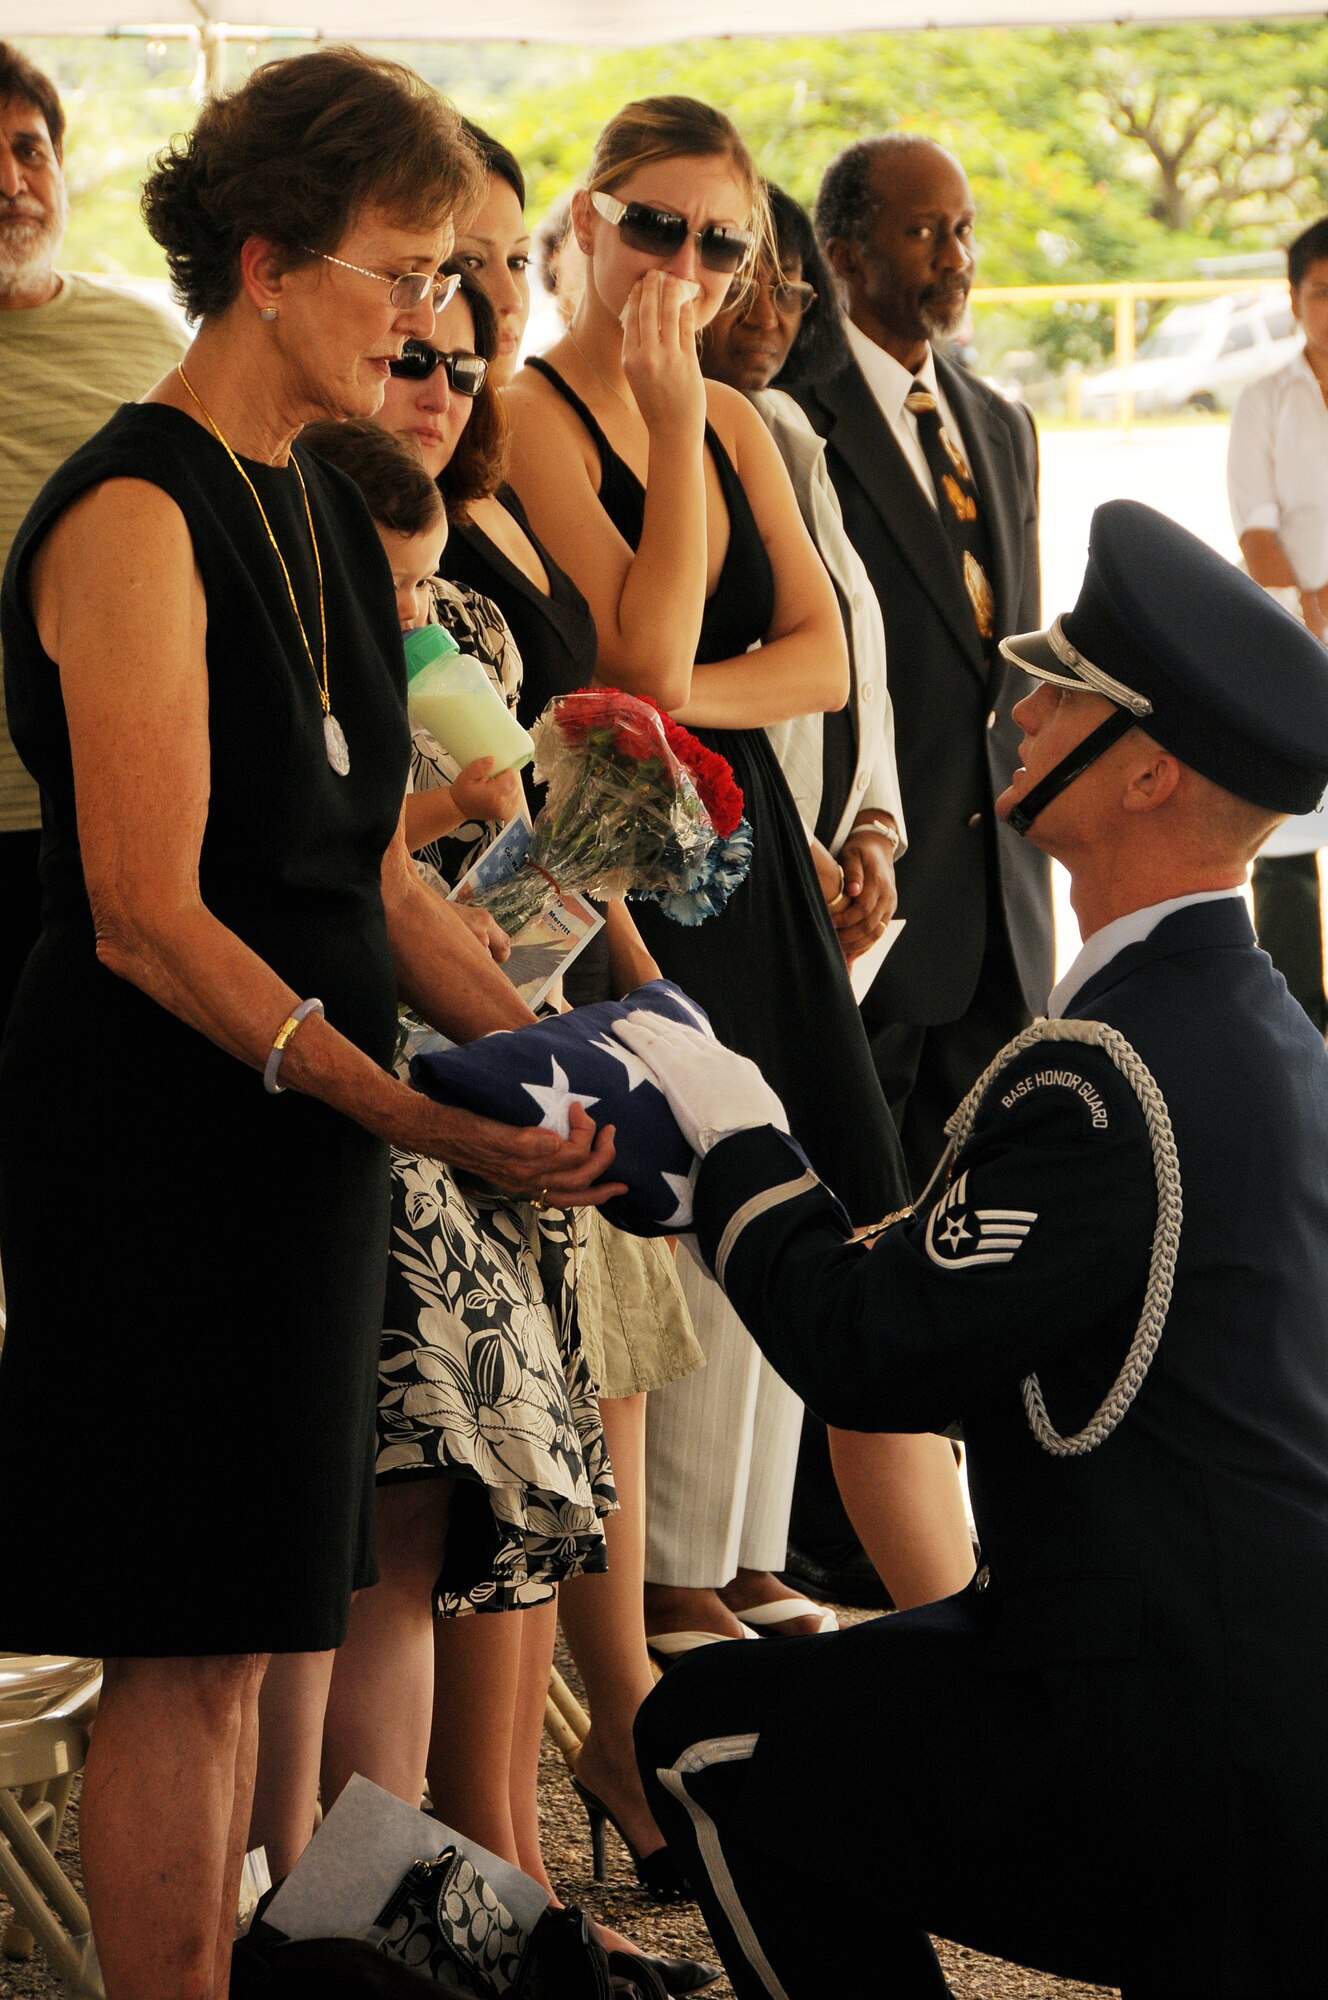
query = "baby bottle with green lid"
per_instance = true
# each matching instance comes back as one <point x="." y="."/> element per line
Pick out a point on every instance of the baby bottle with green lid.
<point x="452" y="697"/>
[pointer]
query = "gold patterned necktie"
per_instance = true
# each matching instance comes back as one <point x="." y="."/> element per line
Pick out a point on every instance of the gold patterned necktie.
<point x="957" y="506"/>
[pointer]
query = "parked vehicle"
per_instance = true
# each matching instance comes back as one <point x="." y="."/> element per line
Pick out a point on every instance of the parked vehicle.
<point x="1199" y="356"/>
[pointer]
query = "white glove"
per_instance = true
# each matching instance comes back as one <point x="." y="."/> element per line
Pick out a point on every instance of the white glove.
<point x="710" y="1090"/>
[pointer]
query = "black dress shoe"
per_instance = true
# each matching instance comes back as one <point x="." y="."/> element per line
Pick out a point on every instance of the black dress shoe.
<point x="675" y="1975"/>
<point x="837" y="1574"/>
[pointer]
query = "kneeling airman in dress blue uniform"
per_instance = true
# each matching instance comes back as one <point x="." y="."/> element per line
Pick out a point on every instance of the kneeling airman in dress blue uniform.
<point x="1109" y="1756"/>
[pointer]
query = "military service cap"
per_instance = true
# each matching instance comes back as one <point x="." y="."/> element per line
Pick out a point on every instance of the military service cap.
<point x="1196" y="653"/>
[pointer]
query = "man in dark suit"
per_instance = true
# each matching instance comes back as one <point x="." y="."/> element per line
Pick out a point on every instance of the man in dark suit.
<point x="941" y="505"/>
<point x="1108" y="1757"/>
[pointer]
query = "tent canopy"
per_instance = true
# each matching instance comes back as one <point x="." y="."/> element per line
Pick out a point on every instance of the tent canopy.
<point x="593" y="21"/>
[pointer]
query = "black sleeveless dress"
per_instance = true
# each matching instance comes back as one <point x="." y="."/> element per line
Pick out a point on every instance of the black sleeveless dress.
<point x="195" y="1268"/>
<point x="556" y="638"/>
<point x="768" y="969"/>
<point x="555" y="634"/>
<point x="634" y="1324"/>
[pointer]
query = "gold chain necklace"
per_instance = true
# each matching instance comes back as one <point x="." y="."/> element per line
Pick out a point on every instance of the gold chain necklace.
<point x="334" y="737"/>
<point x="595" y="369"/>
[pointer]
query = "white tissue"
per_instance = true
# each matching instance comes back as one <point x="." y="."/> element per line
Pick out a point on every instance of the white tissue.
<point x="690" y="290"/>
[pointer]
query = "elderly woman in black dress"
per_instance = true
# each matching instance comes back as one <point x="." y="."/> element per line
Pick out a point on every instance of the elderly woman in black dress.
<point x="204" y="673"/>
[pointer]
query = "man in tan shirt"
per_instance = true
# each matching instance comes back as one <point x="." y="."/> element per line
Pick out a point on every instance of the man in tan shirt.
<point x="72" y="349"/>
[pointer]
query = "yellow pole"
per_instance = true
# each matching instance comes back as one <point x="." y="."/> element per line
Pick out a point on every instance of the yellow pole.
<point x="1125" y="299"/>
<point x="1162" y="288"/>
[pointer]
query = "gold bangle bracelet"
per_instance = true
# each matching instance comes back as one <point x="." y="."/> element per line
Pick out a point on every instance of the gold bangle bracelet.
<point x="279" y="1041"/>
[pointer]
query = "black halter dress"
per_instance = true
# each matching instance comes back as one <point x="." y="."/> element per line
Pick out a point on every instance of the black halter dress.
<point x="768" y="969"/>
<point x="554" y="630"/>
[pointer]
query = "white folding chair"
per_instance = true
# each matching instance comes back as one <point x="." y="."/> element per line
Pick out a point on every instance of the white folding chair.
<point x="565" y="1721"/>
<point x="46" y="1705"/>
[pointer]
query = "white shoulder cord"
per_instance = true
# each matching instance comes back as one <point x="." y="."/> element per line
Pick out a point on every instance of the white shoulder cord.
<point x="1166" y="1235"/>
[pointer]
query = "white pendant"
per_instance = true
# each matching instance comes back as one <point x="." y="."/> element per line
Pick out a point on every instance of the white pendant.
<point x="338" y="751"/>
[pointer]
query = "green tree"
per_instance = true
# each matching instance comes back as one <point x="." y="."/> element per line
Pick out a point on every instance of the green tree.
<point x="122" y="102"/>
<point x="1228" y="135"/>
<point x="1093" y="154"/>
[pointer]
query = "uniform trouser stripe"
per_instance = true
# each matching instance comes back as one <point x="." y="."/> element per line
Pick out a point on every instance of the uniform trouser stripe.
<point x="703" y="1757"/>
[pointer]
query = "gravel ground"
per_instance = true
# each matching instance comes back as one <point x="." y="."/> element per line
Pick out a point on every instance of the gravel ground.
<point x="673" y="1931"/>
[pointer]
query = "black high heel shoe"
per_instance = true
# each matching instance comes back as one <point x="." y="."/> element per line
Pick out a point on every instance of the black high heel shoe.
<point x="659" y="1873"/>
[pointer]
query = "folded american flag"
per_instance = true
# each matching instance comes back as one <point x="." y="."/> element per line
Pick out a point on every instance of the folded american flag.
<point x="531" y="1075"/>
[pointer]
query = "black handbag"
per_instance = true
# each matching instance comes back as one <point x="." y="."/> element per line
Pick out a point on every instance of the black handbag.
<point x="443" y="1917"/>
<point x="267" y="1966"/>
<point x="442" y="1935"/>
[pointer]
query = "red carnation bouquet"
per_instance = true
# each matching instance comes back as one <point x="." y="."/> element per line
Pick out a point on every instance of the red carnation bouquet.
<point x="636" y="806"/>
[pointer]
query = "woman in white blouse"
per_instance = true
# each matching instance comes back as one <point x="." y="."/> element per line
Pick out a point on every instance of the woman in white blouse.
<point x="1277" y="481"/>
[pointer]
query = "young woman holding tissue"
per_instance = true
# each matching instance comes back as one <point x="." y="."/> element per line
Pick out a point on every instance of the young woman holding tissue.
<point x="666" y="499"/>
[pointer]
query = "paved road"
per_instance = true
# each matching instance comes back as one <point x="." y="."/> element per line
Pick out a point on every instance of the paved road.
<point x="1180" y="470"/>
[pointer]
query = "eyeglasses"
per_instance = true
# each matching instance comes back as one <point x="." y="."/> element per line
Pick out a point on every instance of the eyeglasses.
<point x="659" y="232"/>
<point x="787" y="295"/>
<point x="417" y="361"/>
<point x="409" y="290"/>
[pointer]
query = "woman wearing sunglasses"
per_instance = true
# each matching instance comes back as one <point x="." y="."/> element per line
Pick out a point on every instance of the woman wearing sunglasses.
<point x="666" y="499"/>
<point x="637" y="1329"/>
<point x="492" y="1674"/>
<point x="454" y="1486"/>
<point x="491" y="1467"/>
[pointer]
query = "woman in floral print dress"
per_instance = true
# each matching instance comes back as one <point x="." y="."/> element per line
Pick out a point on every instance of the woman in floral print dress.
<point x="481" y="1373"/>
<point x="491" y="1469"/>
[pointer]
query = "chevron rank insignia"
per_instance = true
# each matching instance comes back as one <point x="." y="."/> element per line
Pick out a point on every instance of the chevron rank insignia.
<point x="962" y="1238"/>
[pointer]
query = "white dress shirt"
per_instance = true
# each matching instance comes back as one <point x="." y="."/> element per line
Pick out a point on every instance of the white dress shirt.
<point x="1106" y="944"/>
<point x="1277" y="466"/>
<point x="1277" y="478"/>
<point x="890" y="382"/>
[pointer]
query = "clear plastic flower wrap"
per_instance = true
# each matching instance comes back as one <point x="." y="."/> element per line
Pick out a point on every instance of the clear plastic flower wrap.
<point x="636" y="806"/>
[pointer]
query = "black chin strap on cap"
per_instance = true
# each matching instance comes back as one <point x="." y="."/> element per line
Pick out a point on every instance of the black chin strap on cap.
<point x="1021" y="816"/>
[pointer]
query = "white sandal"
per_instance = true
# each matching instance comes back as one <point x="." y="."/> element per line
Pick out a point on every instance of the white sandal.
<point x="768" y="1618"/>
<point x="670" y="1646"/>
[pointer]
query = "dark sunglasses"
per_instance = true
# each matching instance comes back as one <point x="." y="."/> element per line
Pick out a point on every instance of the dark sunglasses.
<point x="787" y="295"/>
<point x="659" y="232"/>
<point x="466" y="373"/>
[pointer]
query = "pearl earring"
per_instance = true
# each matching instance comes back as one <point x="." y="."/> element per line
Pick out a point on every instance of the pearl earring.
<point x="268" y="313"/>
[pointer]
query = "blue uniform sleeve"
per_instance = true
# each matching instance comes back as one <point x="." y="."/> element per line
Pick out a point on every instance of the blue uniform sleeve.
<point x="1041" y="1235"/>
